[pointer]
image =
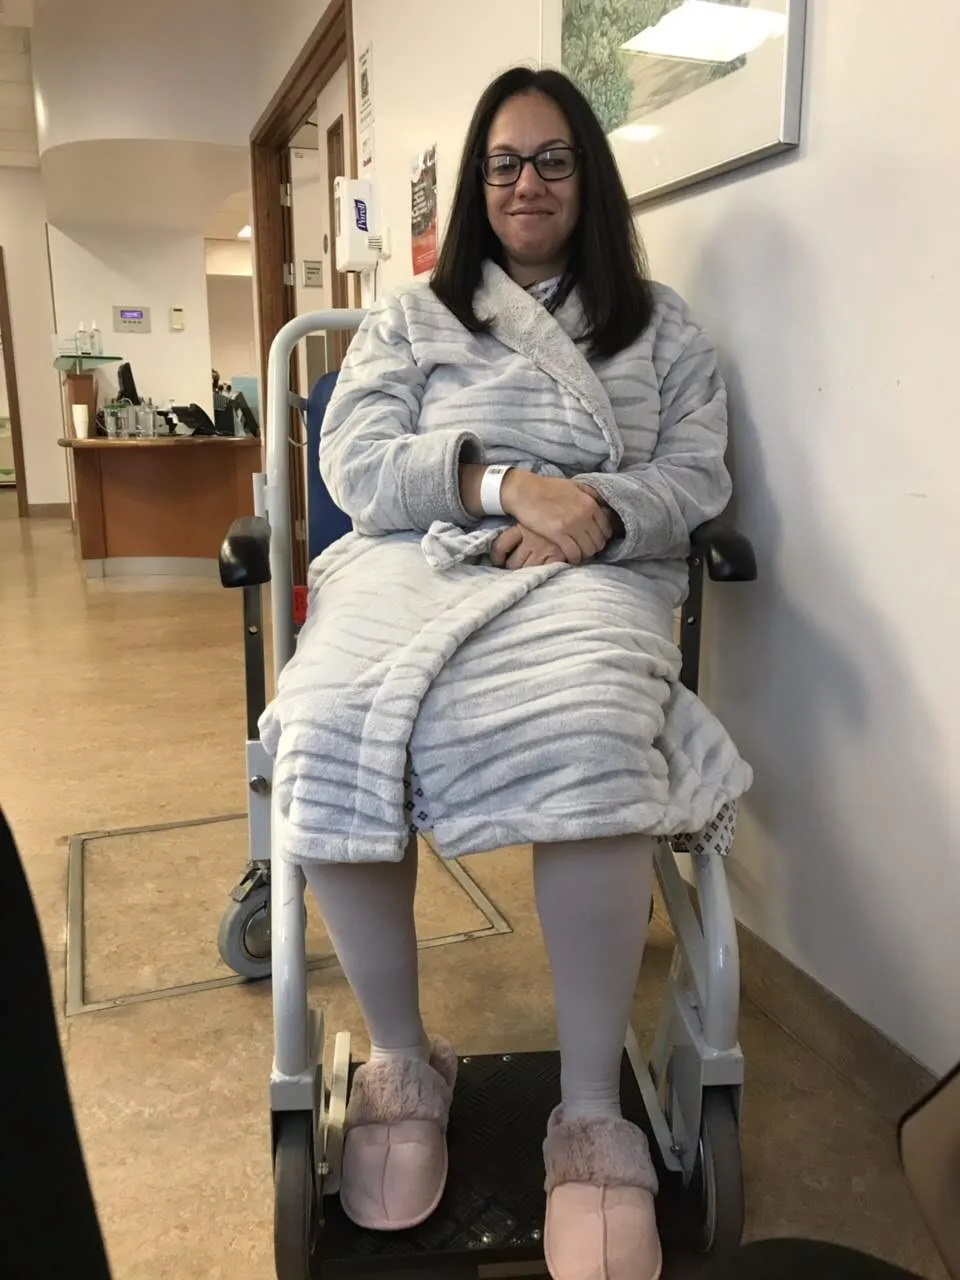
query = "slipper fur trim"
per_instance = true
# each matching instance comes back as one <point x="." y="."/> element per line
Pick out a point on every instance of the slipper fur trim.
<point x="600" y="1151"/>
<point x="388" y="1092"/>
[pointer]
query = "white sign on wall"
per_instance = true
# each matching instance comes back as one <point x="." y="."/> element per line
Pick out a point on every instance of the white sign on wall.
<point x="366" y="149"/>
<point x="365" y="115"/>
<point x="312" y="273"/>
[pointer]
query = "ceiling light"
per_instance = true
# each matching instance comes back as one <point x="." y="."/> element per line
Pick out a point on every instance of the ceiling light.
<point x="245" y="233"/>
<point x="636" y="132"/>
<point x="707" y="31"/>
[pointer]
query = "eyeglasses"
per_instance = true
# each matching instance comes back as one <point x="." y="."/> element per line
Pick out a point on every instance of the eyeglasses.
<point x="553" y="164"/>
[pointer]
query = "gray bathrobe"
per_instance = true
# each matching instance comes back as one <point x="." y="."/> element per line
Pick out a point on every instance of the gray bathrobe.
<point x="538" y="704"/>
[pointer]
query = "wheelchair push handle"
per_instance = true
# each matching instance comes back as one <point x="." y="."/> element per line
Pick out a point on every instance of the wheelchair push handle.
<point x="278" y="465"/>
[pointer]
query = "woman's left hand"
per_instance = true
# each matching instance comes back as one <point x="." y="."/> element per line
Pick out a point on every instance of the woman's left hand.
<point x="520" y="548"/>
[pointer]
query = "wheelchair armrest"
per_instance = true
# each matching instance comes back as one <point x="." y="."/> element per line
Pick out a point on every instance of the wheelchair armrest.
<point x="245" y="554"/>
<point x="728" y="555"/>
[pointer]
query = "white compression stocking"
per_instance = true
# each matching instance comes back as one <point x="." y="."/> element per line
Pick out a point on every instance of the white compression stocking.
<point x="368" y="910"/>
<point x="594" y="900"/>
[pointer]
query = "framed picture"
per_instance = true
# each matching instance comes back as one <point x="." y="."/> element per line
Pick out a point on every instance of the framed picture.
<point x="687" y="89"/>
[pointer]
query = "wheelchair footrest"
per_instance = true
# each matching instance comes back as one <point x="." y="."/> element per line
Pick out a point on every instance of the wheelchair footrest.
<point x="494" y="1204"/>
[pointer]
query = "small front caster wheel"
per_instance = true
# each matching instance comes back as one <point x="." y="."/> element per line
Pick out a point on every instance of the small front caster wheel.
<point x="244" y="935"/>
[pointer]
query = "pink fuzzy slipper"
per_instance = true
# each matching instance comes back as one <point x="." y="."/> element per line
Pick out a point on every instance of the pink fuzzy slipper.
<point x="600" y="1188"/>
<point x="395" y="1149"/>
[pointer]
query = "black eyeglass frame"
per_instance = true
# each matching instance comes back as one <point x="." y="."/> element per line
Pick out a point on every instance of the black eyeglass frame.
<point x="525" y="160"/>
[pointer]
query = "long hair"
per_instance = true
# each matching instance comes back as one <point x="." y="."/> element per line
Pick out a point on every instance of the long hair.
<point x="605" y="258"/>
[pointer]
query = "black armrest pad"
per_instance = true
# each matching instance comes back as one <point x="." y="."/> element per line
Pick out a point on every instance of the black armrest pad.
<point x="727" y="554"/>
<point x="245" y="554"/>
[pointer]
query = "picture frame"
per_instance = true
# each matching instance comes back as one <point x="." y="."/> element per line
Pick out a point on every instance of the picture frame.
<point x="687" y="90"/>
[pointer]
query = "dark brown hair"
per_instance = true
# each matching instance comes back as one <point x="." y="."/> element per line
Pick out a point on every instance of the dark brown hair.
<point x="605" y="262"/>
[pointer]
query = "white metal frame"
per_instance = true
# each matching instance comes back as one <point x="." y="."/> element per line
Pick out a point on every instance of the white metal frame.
<point x="695" y="1046"/>
<point x="296" y="1082"/>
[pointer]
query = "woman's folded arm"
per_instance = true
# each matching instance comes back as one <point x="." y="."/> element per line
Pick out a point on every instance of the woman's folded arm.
<point x="686" y="482"/>
<point x="385" y="476"/>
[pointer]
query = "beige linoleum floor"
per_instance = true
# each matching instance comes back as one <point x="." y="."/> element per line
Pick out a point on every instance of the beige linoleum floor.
<point x="122" y="706"/>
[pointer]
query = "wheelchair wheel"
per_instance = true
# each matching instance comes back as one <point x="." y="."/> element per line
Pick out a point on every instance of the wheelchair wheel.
<point x="243" y="939"/>
<point x="716" y="1205"/>
<point x="296" y="1214"/>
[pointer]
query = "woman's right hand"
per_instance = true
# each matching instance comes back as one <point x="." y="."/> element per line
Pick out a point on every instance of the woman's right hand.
<point x="559" y="510"/>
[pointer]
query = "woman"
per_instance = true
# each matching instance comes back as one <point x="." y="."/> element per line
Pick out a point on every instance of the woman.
<point x="523" y="448"/>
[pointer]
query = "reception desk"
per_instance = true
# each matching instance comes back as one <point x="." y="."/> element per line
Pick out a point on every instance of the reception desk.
<point x="159" y="506"/>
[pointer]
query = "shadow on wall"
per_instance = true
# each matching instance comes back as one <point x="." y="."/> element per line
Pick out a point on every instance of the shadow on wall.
<point x="814" y="691"/>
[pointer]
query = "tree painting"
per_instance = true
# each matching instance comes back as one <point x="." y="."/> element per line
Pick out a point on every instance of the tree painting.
<point x="621" y="86"/>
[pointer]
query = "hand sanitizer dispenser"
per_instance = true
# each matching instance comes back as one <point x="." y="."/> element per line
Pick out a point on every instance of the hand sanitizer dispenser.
<point x="356" y="225"/>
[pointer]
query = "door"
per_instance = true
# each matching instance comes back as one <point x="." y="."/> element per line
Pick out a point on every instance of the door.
<point x="339" y="291"/>
<point x="12" y="476"/>
<point x="329" y="48"/>
<point x="298" y="496"/>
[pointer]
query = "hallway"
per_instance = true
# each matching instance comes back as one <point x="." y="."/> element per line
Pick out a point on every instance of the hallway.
<point x="123" y="709"/>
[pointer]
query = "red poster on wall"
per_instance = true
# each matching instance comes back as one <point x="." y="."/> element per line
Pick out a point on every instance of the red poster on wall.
<point x="423" y="211"/>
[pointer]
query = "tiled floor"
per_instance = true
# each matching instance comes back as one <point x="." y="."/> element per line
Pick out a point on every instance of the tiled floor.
<point x="123" y="707"/>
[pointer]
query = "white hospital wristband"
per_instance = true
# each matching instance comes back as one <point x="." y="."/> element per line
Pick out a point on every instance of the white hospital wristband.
<point x="490" y="485"/>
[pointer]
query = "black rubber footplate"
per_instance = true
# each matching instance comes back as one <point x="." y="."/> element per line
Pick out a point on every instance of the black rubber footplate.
<point x="494" y="1203"/>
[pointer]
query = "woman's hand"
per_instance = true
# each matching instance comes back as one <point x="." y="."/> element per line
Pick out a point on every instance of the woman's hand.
<point x="558" y="510"/>
<point x="520" y="548"/>
<point x="616" y="523"/>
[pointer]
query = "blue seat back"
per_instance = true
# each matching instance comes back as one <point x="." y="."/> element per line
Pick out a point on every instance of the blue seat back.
<point x="325" y="521"/>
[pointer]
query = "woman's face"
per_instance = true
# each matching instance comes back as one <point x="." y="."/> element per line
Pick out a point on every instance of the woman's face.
<point x="533" y="219"/>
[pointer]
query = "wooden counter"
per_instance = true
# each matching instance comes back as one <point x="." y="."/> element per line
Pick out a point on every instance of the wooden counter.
<point x="159" y="506"/>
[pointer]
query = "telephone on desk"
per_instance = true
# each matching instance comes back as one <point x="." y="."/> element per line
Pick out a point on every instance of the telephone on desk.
<point x="226" y="422"/>
<point x="189" y="420"/>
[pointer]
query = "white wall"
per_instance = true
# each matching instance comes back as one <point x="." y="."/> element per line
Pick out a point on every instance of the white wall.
<point x="228" y="257"/>
<point x="831" y="282"/>
<point x="233" y="348"/>
<point x="431" y="61"/>
<point x="143" y="110"/>
<point x="280" y="29"/>
<point x="23" y="236"/>
<point x="112" y="69"/>
<point x="94" y="271"/>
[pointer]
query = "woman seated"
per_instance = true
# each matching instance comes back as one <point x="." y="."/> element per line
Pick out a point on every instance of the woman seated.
<point x="524" y="448"/>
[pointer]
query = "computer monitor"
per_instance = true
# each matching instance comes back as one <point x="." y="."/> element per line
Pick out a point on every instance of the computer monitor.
<point x="128" y="388"/>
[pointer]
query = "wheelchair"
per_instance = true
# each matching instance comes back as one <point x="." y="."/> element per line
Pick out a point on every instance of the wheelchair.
<point x="686" y="1094"/>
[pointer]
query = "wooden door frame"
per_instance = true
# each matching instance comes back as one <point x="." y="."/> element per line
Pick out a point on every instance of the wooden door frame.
<point x="330" y="45"/>
<point x="13" y="394"/>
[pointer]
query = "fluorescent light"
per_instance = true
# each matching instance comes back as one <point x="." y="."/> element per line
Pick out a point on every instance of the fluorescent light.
<point x="705" y="31"/>
<point x="636" y="132"/>
<point x="245" y="233"/>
